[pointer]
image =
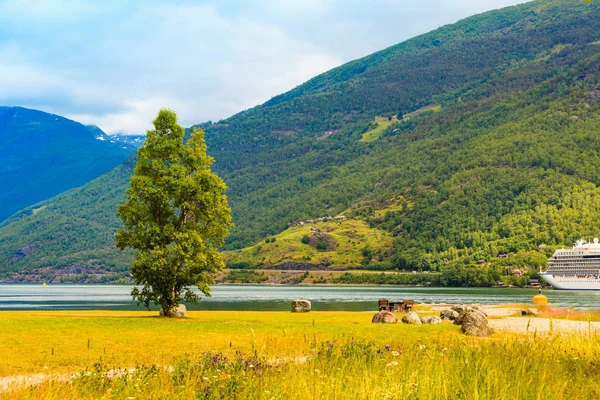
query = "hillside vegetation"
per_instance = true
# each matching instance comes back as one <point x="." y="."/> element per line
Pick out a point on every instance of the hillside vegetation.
<point x="503" y="157"/>
<point x="331" y="244"/>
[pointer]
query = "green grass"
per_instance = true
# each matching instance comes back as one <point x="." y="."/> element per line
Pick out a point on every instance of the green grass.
<point x="375" y="133"/>
<point x="333" y="355"/>
<point x="351" y="236"/>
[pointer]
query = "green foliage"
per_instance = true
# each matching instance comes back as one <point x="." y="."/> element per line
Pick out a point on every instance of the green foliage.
<point x="245" y="276"/>
<point x="238" y="265"/>
<point x="507" y="164"/>
<point x="321" y="245"/>
<point x="175" y="217"/>
<point x="387" y="279"/>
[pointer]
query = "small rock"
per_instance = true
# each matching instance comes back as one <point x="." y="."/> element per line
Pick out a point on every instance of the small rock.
<point x="384" y="317"/>
<point x="475" y="323"/>
<point x="431" y="320"/>
<point x="411" y="318"/>
<point x="449" y="315"/>
<point x="175" y="312"/>
<point x="301" y="306"/>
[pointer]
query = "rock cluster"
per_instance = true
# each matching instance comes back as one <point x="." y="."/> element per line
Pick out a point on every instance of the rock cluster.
<point x="473" y="319"/>
<point x="384" y="317"/>
<point x="301" y="305"/>
<point x="448" y="315"/>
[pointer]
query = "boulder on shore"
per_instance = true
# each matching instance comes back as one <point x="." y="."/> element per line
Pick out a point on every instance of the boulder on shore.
<point x="174" y="312"/>
<point x="384" y="317"/>
<point x="475" y="323"/>
<point x="431" y="320"/>
<point x="301" y="305"/>
<point x="411" y="318"/>
<point x="449" y="315"/>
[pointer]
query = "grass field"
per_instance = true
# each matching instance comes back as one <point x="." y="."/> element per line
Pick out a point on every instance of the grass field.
<point x="375" y="133"/>
<point x="322" y="355"/>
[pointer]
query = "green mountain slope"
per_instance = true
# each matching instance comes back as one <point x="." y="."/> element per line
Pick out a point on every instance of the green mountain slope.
<point x="44" y="154"/>
<point x="495" y="150"/>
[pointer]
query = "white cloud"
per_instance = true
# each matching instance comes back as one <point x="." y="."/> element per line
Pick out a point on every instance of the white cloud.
<point x="115" y="64"/>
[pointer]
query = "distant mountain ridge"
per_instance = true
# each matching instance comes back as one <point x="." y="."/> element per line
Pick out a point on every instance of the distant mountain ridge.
<point x="133" y="140"/>
<point x="42" y="155"/>
<point x="474" y="140"/>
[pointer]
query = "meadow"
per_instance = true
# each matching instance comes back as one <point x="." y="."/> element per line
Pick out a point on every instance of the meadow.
<point x="279" y="355"/>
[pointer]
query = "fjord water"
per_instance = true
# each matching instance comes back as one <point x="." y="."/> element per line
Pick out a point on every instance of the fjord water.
<point x="277" y="298"/>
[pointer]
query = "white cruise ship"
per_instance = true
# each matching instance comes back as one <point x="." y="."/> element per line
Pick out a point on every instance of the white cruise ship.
<point x="575" y="269"/>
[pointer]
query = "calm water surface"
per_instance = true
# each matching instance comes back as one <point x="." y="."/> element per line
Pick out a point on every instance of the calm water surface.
<point x="277" y="298"/>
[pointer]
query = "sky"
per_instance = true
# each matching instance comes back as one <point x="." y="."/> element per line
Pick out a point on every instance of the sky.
<point x="115" y="63"/>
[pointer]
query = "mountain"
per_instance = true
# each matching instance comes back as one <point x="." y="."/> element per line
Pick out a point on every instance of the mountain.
<point x="474" y="143"/>
<point x="132" y="140"/>
<point x="44" y="154"/>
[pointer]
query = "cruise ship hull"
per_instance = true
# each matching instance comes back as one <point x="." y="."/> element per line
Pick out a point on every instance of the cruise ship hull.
<point x="565" y="282"/>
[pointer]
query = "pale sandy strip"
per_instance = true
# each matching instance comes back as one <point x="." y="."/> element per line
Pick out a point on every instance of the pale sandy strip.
<point x="543" y="325"/>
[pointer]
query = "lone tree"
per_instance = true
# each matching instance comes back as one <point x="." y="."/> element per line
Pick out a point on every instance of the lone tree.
<point x="176" y="217"/>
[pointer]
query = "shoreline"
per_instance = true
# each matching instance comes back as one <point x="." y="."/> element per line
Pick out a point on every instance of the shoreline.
<point x="40" y="283"/>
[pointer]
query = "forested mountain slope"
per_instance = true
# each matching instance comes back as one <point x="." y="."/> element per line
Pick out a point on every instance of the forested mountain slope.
<point x="42" y="155"/>
<point x="504" y="160"/>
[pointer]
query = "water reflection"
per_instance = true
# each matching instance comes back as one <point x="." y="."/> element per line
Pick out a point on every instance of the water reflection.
<point x="277" y="298"/>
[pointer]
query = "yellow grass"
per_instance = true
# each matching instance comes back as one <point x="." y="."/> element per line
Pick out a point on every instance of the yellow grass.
<point x="280" y="355"/>
<point x="127" y="338"/>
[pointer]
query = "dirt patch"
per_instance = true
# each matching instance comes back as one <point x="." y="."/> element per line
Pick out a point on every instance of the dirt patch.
<point x="349" y="234"/>
<point x="294" y="266"/>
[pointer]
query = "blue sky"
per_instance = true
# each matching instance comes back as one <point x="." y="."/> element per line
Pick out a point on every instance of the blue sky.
<point x="116" y="63"/>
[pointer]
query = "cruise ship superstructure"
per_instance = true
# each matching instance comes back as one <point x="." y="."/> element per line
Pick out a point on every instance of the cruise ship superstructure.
<point x="575" y="269"/>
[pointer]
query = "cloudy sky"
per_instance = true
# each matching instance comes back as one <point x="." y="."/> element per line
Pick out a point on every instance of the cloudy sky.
<point x="115" y="63"/>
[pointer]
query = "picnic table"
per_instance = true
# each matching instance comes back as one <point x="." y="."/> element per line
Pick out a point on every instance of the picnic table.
<point x="403" y="305"/>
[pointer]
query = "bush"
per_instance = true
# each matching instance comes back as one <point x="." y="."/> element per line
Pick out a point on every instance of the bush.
<point x="239" y="265"/>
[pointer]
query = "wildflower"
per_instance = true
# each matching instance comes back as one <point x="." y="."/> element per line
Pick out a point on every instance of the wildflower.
<point x="205" y="378"/>
<point x="421" y="346"/>
<point x="250" y="366"/>
<point x="395" y="353"/>
<point x="391" y="364"/>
